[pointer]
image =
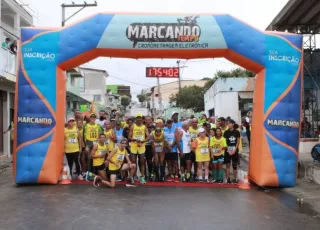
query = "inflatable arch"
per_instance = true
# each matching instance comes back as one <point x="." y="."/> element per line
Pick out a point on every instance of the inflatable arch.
<point x="46" y="53"/>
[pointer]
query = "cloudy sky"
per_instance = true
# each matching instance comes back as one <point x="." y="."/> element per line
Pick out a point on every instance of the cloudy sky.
<point x="258" y="13"/>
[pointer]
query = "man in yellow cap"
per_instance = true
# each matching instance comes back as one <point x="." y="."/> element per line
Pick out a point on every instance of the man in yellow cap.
<point x="138" y="136"/>
<point x="91" y="132"/>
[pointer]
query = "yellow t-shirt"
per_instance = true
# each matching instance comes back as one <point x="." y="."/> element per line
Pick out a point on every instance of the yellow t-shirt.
<point x="202" y="150"/>
<point x="225" y="129"/>
<point x="109" y="142"/>
<point x="139" y="133"/>
<point x="158" y="141"/>
<point x="216" y="144"/>
<point x="193" y="133"/>
<point x="71" y="143"/>
<point x="118" y="157"/>
<point x="124" y="124"/>
<point x="91" y="132"/>
<point x="102" y="149"/>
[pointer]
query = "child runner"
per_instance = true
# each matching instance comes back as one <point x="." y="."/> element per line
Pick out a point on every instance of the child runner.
<point x="218" y="146"/>
<point x="159" y="156"/>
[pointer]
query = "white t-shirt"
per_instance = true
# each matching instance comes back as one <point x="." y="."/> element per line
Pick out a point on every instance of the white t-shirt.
<point x="101" y="123"/>
<point x="185" y="142"/>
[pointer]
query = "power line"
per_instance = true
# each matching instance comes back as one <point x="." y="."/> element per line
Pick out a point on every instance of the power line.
<point x="110" y="75"/>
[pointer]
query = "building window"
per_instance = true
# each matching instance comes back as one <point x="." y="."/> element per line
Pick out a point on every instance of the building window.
<point x="72" y="79"/>
<point x="75" y="105"/>
<point x="82" y="84"/>
<point x="97" y="97"/>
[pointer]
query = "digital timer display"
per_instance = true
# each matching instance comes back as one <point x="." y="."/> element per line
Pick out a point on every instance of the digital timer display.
<point x="164" y="72"/>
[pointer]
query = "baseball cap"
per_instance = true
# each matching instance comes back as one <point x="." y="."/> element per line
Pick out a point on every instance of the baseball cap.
<point x="71" y="119"/>
<point x="93" y="115"/>
<point x="232" y="121"/>
<point x="139" y="115"/>
<point x="158" y="121"/>
<point x="174" y="112"/>
<point x="201" y="130"/>
<point x="118" y="123"/>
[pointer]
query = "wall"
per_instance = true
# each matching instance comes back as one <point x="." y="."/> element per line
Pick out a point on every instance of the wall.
<point x="95" y="84"/>
<point x="75" y="88"/>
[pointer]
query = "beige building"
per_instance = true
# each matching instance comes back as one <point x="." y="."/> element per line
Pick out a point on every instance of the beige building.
<point x="166" y="90"/>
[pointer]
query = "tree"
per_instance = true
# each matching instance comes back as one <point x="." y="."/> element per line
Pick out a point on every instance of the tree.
<point x="141" y="97"/>
<point x="125" y="101"/>
<point x="238" y="72"/>
<point x="189" y="97"/>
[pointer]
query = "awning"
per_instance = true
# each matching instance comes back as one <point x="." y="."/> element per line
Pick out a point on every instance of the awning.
<point x="245" y="95"/>
<point x="73" y="97"/>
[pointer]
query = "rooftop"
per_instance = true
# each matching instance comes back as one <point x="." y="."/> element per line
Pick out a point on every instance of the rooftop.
<point x="298" y="16"/>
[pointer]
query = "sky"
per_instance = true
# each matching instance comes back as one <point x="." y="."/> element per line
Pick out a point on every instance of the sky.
<point x="258" y="13"/>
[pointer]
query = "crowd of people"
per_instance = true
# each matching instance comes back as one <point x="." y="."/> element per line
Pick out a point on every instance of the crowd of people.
<point x="106" y="150"/>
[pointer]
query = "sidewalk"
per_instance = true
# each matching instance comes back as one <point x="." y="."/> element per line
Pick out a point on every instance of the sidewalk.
<point x="308" y="183"/>
<point x="4" y="163"/>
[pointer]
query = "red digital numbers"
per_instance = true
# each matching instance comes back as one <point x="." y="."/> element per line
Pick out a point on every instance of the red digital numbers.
<point x="165" y="72"/>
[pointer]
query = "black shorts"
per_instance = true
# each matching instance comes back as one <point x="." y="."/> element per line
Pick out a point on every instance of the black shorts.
<point x="114" y="172"/>
<point x="149" y="153"/>
<point x="172" y="156"/>
<point x="89" y="144"/>
<point x="96" y="169"/>
<point x="234" y="158"/>
<point x="193" y="156"/>
<point x="218" y="159"/>
<point x="186" y="157"/>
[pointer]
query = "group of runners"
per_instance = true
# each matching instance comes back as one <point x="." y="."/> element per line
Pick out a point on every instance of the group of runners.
<point x="114" y="150"/>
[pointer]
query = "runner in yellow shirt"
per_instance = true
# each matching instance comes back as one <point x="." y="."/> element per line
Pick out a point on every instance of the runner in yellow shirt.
<point x="201" y="147"/>
<point x="218" y="146"/>
<point x="116" y="165"/>
<point x="138" y="136"/>
<point x="110" y="136"/>
<point x="72" y="142"/>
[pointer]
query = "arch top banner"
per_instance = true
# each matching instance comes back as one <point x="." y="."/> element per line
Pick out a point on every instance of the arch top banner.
<point x="47" y="52"/>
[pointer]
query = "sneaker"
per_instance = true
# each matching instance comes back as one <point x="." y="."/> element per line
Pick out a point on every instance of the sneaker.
<point x="196" y="179"/>
<point x="170" y="179"/>
<point x="206" y="181"/>
<point x="162" y="179"/>
<point x="200" y="180"/>
<point x="118" y="179"/>
<point x="80" y="177"/>
<point x="235" y="181"/>
<point x="228" y="181"/>
<point x="176" y="179"/>
<point x="183" y="179"/>
<point x="95" y="181"/>
<point x="142" y="180"/>
<point x="220" y="181"/>
<point x="214" y="181"/>
<point x="87" y="176"/>
<point x="131" y="185"/>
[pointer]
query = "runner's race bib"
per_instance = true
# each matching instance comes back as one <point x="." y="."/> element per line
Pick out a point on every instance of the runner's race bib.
<point x="231" y="149"/>
<point x="216" y="150"/>
<point x="139" y="138"/>
<point x="101" y="152"/>
<point x="72" y="140"/>
<point x="107" y="141"/>
<point x="120" y="157"/>
<point x="204" y="150"/>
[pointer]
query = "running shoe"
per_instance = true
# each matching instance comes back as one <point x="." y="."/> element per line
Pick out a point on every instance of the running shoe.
<point x="87" y="176"/>
<point x="234" y="181"/>
<point x="80" y="177"/>
<point x="214" y="181"/>
<point x="170" y="179"/>
<point x="228" y="181"/>
<point x="206" y="181"/>
<point x="96" y="180"/>
<point x="118" y="179"/>
<point x="176" y="179"/>
<point x="183" y="179"/>
<point x="142" y="180"/>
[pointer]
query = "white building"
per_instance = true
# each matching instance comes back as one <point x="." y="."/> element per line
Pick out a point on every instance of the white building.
<point x="229" y="97"/>
<point x="112" y="101"/>
<point x="93" y="85"/>
<point x="13" y="16"/>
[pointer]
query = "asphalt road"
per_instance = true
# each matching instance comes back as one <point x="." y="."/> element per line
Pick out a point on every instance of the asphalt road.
<point x="86" y="207"/>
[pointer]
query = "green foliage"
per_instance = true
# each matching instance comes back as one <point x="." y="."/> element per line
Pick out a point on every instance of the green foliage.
<point x="141" y="97"/>
<point x="189" y="97"/>
<point x="238" y="72"/>
<point x="125" y="101"/>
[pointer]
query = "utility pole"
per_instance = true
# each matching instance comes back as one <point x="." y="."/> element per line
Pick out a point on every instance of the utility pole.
<point x="64" y="6"/>
<point x="159" y="96"/>
<point x="180" y="67"/>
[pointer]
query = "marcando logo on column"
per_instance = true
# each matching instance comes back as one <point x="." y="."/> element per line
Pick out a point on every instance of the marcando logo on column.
<point x="184" y="30"/>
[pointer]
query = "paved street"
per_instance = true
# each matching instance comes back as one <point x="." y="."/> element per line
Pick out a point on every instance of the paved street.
<point x="86" y="207"/>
